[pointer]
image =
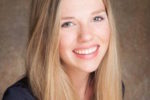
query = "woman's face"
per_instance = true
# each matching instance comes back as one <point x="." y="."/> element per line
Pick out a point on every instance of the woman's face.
<point x="84" y="34"/>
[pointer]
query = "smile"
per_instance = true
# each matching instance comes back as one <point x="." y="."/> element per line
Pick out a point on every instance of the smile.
<point x="86" y="51"/>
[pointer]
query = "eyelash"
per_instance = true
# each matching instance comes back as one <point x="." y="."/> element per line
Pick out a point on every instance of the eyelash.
<point x="65" y="24"/>
<point x="101" y="18"/>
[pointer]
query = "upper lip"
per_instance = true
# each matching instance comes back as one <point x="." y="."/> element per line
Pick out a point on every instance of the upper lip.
<point x="86" y="47"/>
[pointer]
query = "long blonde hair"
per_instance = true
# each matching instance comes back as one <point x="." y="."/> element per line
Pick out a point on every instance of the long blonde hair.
<point x="47" y="78"/>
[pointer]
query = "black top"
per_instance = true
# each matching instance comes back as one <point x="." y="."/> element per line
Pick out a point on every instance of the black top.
<point x="21" y="91"/>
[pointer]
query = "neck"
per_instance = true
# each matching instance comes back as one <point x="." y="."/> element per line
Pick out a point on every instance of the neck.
<point x="80" y="81"/>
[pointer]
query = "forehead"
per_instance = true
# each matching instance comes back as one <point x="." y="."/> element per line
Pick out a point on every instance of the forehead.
<point x="80" y="6"/>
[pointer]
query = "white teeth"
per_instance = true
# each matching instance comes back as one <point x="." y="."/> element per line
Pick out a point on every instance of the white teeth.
<point x="86" y="51"/>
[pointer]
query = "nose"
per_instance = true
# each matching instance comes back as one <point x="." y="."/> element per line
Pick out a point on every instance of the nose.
<point x="85" y="33"/>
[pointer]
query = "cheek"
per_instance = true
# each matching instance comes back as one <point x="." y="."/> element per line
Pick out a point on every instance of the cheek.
<point x="106" y="33"/>
<point x="66" y="40"/>
<point x="63" y="43"/>
<point x="103" y="32"/>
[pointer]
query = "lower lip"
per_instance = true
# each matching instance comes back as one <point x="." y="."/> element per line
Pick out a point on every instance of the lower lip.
<point x="88" y="56"/>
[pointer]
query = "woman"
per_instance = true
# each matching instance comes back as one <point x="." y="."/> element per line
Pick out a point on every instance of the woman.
<point x="71" y="54"/>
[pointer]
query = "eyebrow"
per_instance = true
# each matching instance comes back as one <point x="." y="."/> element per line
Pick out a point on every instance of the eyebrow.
<point x="65" y="18"/>
<point x="95" y="12"/>
<point x="98" y="11"/>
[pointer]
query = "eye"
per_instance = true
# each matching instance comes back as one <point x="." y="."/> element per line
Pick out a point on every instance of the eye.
<point x="67" y="24"/>
<point x="98" y="18"/>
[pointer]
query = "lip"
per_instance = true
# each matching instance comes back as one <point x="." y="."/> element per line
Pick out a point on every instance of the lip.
<point x="87" y="56"/>
<point x="85" y="47"/>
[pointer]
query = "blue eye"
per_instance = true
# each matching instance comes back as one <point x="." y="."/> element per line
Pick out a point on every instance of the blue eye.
<point x="67" y="24"/>
<point x="98" y="18"/>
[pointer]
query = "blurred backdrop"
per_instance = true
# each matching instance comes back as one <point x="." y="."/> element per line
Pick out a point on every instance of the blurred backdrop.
<point x="133" y="23"/>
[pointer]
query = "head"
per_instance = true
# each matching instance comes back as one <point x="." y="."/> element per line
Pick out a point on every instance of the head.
<point x="84" y="34"/>
<point x="72" y="35"/>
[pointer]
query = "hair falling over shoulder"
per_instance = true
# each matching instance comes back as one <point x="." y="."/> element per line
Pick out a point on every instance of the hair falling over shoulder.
<point x="47" y="77"/>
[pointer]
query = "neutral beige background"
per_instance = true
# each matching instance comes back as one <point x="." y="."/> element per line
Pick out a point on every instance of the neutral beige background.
<point x="133" y="22"/>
